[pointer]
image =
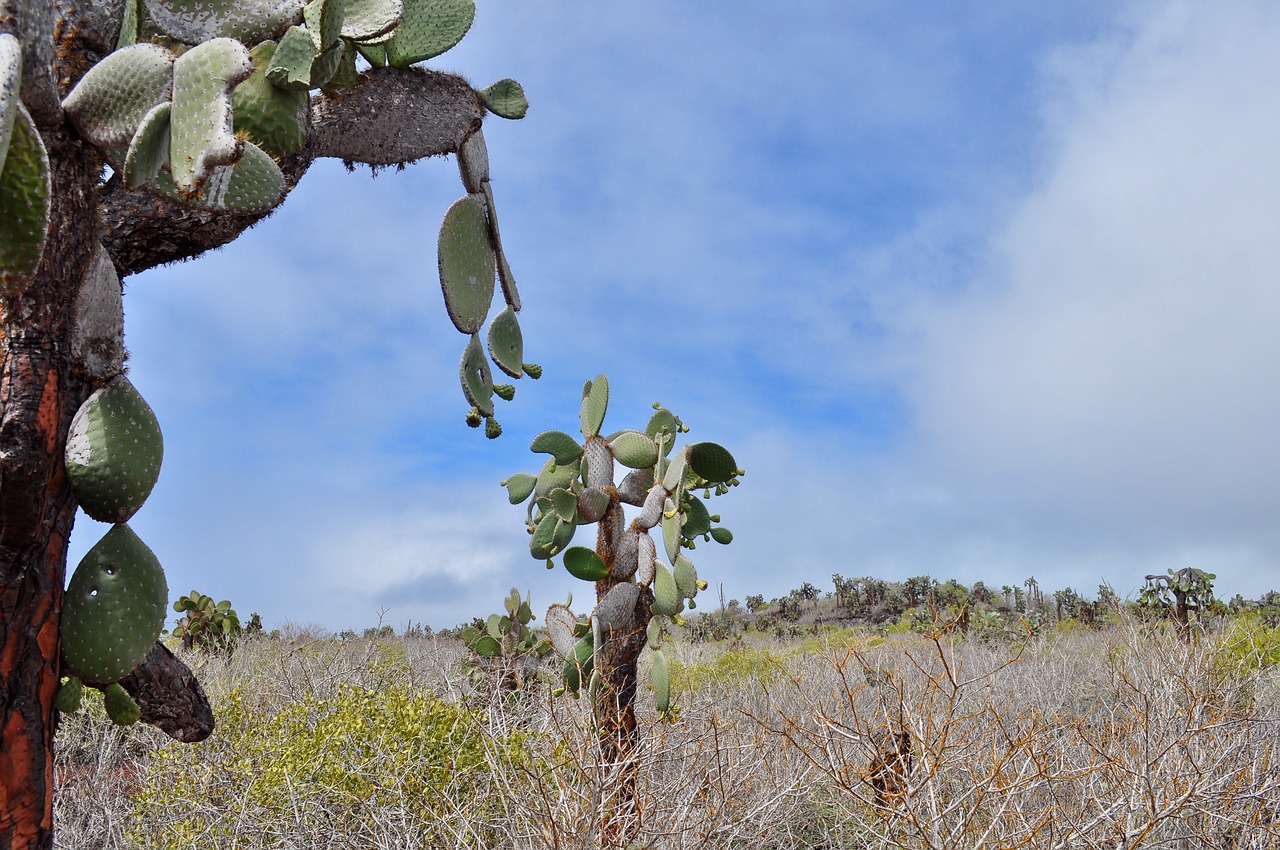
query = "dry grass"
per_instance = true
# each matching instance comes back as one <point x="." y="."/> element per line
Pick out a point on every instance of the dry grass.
<point x="1115" y="739"/>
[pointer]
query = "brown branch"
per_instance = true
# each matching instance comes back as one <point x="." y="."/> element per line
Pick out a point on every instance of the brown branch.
<point x="392" y="117"/>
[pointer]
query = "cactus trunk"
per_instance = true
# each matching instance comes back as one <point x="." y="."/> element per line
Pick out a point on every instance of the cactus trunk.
<point x="616" y="661"/>
<point x="39" y="393"/>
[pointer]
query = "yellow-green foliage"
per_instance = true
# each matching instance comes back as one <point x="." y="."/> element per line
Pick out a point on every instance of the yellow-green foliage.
<point x="733" y="668"/>
<point x="1249" y="645"/>
<point x="328" y="757"/>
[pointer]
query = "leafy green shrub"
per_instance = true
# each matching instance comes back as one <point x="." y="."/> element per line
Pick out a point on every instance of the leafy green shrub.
<point x="1250" y="645"/>
<point x="733" y="668"/>
<point x="335" y="759"/>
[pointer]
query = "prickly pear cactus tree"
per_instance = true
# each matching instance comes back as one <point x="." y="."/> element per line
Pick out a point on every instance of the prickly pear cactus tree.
<point x="1179" y="596"/>
<point x="641" y="585"/>
<point x="135" y="133"/>
<point x="505" y="649"/>
<point x="206" y="624"/>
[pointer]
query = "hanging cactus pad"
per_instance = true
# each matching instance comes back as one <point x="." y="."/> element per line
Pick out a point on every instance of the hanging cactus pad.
<point x="113" y="454"/>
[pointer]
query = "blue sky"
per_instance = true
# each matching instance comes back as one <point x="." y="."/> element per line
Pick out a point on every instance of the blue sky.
<point x="982" y="291"/>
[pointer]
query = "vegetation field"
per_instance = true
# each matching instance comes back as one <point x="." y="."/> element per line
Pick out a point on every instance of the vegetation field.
<point x="1118" y="736"/>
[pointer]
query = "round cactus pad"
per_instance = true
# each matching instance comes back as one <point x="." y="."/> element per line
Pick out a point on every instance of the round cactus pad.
<point x="466" y="263"/>
<point x="113" y="454"/>
<point x="114" y="607"/>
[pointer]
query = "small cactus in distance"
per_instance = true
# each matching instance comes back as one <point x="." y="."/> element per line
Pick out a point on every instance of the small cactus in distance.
<point x="205" y="624"/>
<point x="505" y="649"/>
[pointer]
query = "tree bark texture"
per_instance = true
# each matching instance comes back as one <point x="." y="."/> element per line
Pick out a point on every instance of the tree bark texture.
<point x="614" y="707"/>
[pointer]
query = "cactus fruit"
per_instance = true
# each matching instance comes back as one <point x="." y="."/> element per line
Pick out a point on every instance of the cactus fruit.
<point x="24" y="203"/>
<point x="120" y="707"/>
<point x="114" y="607"/>
<point x="563" y="448"/>
<point x="506" y="343"/>
<point x="595" y="403"/>
<point x="466" y="263"/>
<point x="660" y="676"/>
<point x="585" y="564"/>
<point x="506" y="99"/>
<point x="110" y="100"/>
<point x="429" y="28"/>
<point x="247" y="21"/>
<point x="114" y="450"/>
<point x="275" y="118"/>
<point x="10" y="83"/>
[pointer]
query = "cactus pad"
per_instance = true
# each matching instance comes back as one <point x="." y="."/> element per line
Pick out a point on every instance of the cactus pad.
<point x="275" y="118"/>
<point x="10" y="83"/>
<point x="560" y="625"/>
<point x="520" y="487"/>
<point x="247" y="21"/>
<point x="616" y="612"/>
<point x="473" y="161"/>
<point x="466" y="263"/>
<point x="712" y="462"/>
<point x="506" y="343"/>
<point x="120" y="707"/>
<point x="366" y="20"/>
<point x="509" y="290"/>
<point x="592" y="503"/>
<point x="686" y="577"/>
<point x="114" y="607"/>
<point x="635" y="450"/>
<point x="476" y="378"/>
<point x="113" y="453"/>
<point x="201" y="128"/>
<point x="108" y="103"/>
<point x="671" y="533"/>
<point x="646" y="558"/>
<point x="585" y="564"/>
<point x="506" y="99"/>
<point x="563" y="448"/>
<point x="697" y="519"/>
<point x="255" y="184"/>
<point x="149" y="150"/>
<point x="660" y="676"/>
<point x="24" y="203"/>
<point x="595" y="402"/>
<point x="70" y="693"/>
<point x="429" y="28"/>
<point x="666" y="596"/>
<point x="324" y="22"/>
<point x="293" y="60"/>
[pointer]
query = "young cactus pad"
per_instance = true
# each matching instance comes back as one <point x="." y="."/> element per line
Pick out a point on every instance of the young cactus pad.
<point x="114" y="607"/>
<point x="24" y="204"/>
<point x="114" y="451"/>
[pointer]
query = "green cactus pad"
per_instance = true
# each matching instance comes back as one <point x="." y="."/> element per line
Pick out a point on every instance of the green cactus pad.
<point x="324" y="22"/>
<point x="509" y="290"/>
<point x="292" y="62"/>
<point x="563" y="448"/>
<point x="506" y="343"/>
<point x="722" y="535"/>
<point x="10" y="83"/>
<point x="506" y="99"/>
<point x="255" y="184"/>
<point x="128" y="25"/>
<point x="201" y="127"/>
<point x="120" y="706"/>
<point x="476" y="378"/>
<point x="113" y="452"/>
<point x="149" y="150"/>
<point x="673" y="475"/>
<point x="366" y="20"/>
<point x="664" y="422"/>
<point x="24" y="204"/>
<point x="429" y="28"/>
<point x="520" y="487"/>
<point x="565" y="504"/>
<point x="553" y="475"/>
<point x="634" y="450"/>
<point x="486" y="646"/>
<point x="466" y="263"/>
<point x="671" y="535"/>
<point x="274" y="118"/>
<point x="542" y="543"/>
<point x="661" y="678"/>
<point x="653" y="632"/>
<point x="595" y="403"/>
<point x="686" y="577"/>
<point x="247" y="21"/>
<point x="697" y="519"/>
<point x="346" y="74"/>
<point x="108" y="103"/>
<point x="114" y="607"/>
<point x="712" y="462"/>
<point x="585" y="564"/>
<point x="666" y="596"/>
<point x="70" y="693"/>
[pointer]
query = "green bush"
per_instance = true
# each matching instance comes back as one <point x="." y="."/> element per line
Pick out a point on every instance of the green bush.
<point x="325" y="761"/>
<point x="1250" y="645"/>
<point x="732" y="668"/>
